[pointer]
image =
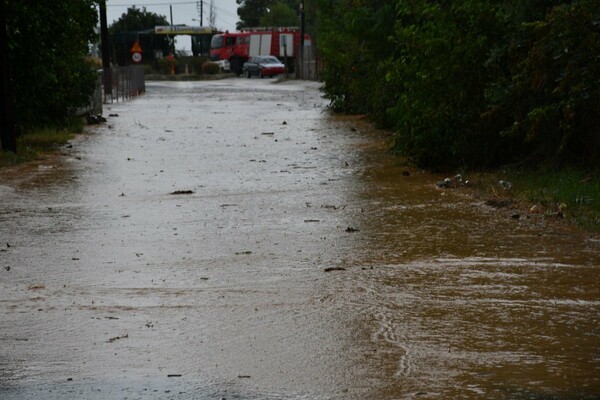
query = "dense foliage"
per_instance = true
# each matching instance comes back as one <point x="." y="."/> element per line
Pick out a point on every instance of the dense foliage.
<point x="470" y="82"/>
<point x="138" y="25"/>
<point x="255" y="13"/>
<point x="280" y="14"/>
<point x="48" y="43"/>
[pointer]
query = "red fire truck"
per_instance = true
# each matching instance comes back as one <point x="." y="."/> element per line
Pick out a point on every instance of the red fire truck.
<point x="237" y="47"/>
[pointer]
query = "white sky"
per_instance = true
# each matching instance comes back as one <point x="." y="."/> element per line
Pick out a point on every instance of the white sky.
<point x="184" y="12"/>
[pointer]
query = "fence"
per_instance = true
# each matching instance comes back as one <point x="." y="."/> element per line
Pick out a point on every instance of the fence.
<point x="94" y="106"/>
<point x="308" y="66"/>
<point x="122" y="83"/>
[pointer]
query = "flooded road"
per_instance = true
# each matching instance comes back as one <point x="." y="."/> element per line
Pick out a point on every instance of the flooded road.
<point x="232" y="240"/>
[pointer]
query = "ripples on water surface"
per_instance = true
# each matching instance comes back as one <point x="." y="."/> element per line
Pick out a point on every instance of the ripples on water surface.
<point x="115" y="284"/>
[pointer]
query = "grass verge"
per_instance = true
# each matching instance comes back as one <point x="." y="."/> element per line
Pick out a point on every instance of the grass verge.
<point x="34" y="144"/>
<point x="570" y="192"/>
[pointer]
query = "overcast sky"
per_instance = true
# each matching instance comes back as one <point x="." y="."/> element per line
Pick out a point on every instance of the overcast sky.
<point x="184" y="12"/>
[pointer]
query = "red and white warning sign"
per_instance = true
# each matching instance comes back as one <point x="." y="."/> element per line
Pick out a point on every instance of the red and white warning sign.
<point x="136" y="52"/>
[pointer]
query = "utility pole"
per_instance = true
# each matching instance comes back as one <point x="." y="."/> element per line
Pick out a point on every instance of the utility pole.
<point x="106" y="71"/>
<point x="200" y="8"/>
<point x="172" y="37"/>
<point x="200" y="38"/>
<point x="302" y="30"/>
<point x="8" y="123"/>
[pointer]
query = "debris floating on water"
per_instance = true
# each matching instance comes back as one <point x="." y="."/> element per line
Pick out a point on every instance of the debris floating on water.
<point x="182" y="192"/>
<point x="113" y="339"/>
<point x="331" y="269"/>
<point x="454" y="182"/>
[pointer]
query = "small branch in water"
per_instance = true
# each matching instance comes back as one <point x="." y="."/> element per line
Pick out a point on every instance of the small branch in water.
<point x="182" y="192"/>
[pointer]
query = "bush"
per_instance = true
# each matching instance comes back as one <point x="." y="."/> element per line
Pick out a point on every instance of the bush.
<point x="52" y="75"/>
<point x="164" y="65"/>
<point x="194" y="64"/>
<point x="210" y="68"/>
<point x="470" y="83"/>
<point x="556" y="92"/>
<point x="148" y="69"/>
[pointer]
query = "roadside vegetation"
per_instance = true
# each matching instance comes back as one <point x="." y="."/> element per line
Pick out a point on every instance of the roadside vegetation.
<point x="570" y="193"/>
<point x="475" y="85"/>
<point x="577" y="190"/>
<point x="50" y="74"/>
<point x="32" y="145"/>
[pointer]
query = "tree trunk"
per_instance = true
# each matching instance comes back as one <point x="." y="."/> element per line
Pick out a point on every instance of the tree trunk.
<point x="8" y="134"/>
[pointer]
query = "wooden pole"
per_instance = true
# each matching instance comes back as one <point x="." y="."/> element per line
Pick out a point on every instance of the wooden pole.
<point x="302" y="32"/>
<point x="106" y="71"/>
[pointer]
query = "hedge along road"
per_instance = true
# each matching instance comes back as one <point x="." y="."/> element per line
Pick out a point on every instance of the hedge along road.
<point x="232" y="240"/>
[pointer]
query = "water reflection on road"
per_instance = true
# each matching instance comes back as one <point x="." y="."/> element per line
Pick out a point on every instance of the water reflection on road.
<point x="114" y="287"/>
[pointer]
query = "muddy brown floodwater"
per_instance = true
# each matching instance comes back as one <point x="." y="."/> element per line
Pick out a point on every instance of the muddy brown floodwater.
<point x="295" y="262"/>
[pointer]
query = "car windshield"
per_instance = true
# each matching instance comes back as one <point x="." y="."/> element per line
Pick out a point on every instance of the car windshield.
<point x="270" y="60"/>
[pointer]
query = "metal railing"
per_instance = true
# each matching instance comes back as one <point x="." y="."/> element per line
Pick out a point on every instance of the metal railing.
<point x="122" y="83"/>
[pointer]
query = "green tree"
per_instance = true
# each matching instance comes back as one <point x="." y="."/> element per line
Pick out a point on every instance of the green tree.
<point x="138" y="24"/>
<point x="255" y="13"/>
<point x="469" y="82"/>
<point x="354" y="42"/>
<point x="48" y="44"/>
<point x="250" y="12"/>
<point x="280" y="14"/>
<point x="441" y="76"/>
<point x="8" y="134"/>
<point x="554" y="96"/>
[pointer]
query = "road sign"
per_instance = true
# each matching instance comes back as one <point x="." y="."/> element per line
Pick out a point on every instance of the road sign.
<point x="136" y="52"/>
